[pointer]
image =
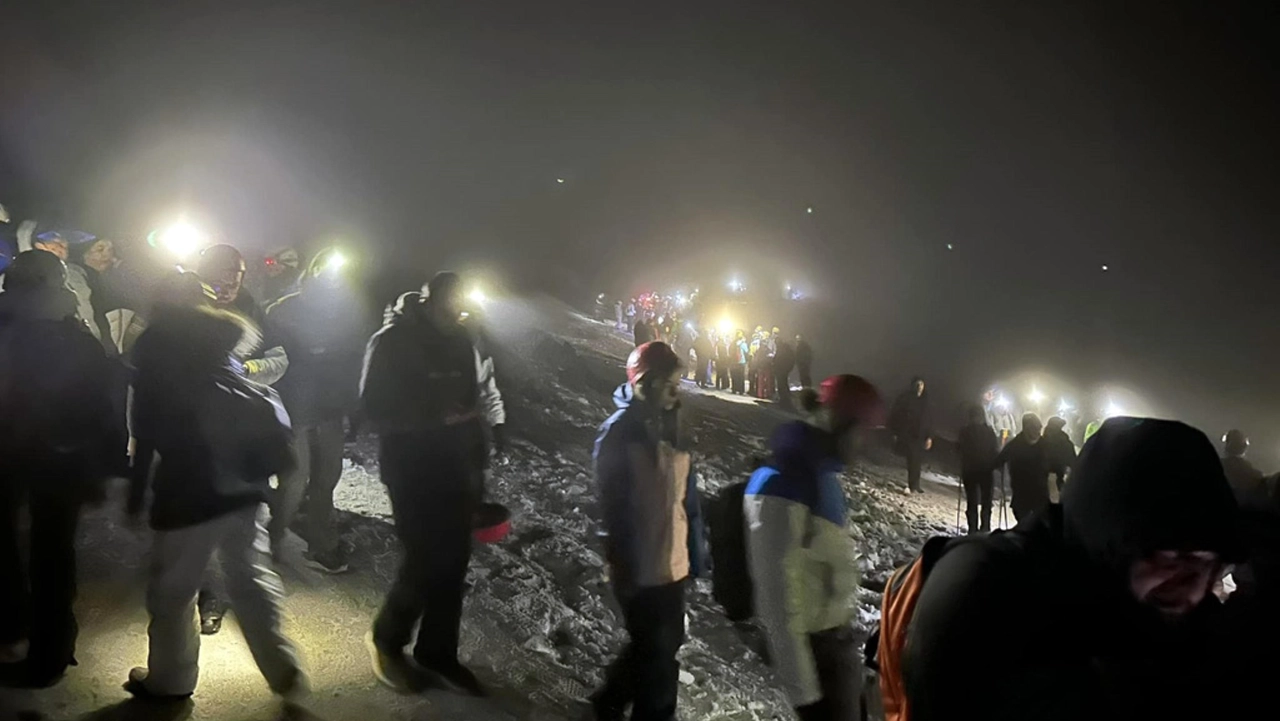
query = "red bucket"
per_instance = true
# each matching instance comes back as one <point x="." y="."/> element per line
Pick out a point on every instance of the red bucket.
<point x="492" y="523"/>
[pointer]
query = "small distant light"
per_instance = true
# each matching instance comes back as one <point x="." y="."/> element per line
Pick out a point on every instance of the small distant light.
<point x="950" y="247"/>
<point x="1106" y="268"/>
<point x="809" y="210"/>
<point x="560" y="181"/>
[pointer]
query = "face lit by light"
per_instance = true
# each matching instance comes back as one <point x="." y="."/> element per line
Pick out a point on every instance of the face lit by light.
<point x="1174" y="582"/>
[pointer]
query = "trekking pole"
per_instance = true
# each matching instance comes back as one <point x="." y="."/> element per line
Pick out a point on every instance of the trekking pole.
<point x="959" y="497"/>
<point x="1004" y="518"/>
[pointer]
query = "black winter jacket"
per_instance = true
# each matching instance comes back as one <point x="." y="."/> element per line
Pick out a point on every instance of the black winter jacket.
<point x="1076" y="644"/>
<point x="323" y="331"/>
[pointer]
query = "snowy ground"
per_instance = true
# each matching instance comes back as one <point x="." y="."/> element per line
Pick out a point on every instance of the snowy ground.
<point x="540" y="624"/>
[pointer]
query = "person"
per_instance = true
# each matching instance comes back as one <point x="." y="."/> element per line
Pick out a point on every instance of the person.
<point x="619" y="319"/>
<point x="282" y="277"/>
<point x="1028" y="469"/>
<point x="652" y="534"/>
<point x="56" y="439"/>
<point x="978" y="446"/>
<point x="322" y="329"/>
<point x="77" y="281"/>
<point x="762" y="381"/>
<point x="1244" y="477"/>
<point x="94" y="258"/>
<point x="1059" y="451"/>
<point x="219" y="437"/>
<point x="1000" y="415"/>
<point x="723" y="363"/>
<point x="1105" y="598"/>
<point x="643" y="332"/>
<point x="784" y="361"/>
<point x="739" y="354"/>
<point x="422" y="393"/>
<point x="703" y="350"/>
<point x="804" y="361"/>
<point x="910" y="427"/>
<point x="222" y="268"/>
<point x="803" y="565"/>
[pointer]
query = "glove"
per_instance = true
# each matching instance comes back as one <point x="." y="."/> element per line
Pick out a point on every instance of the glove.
<point x="252" y="367"/>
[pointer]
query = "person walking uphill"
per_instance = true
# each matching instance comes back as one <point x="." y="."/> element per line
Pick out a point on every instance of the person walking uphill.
<point x="1105" y="598"/>
<point x="220" y="437"/>
<point x="322" y="329"/>
<point x="979" y="446"/>
<point x="422" y="392"/>
<point x="1028" y="469"/>
<point x="910" y="427"/>
<point x="57" y="444"/>
<point x="653" y="534"/>
<point x="803" y="566"/>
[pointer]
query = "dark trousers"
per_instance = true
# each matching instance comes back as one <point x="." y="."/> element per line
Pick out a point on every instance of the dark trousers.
<point x="700" y="372"/>
<point x="318" y="447"/>
<point x="722" y="377"/>
<point x="430" y="480"/>
<point x="783" y="383"/>
<point x="739" y="375"/>
<point x="837" y="655"/>
<point x="977" y="492"/>
<point x="646" y="674"/>
<point x="915" y="462"/>
<point x="806" y="376"/>
<point x="1029" y="495"/>
<point x="38" y="605"/>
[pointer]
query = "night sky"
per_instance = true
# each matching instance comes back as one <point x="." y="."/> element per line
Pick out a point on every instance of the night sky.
<point x="1040" y="142"/>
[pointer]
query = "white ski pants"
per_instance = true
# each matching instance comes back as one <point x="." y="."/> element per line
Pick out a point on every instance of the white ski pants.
<point x="178" y="563"/>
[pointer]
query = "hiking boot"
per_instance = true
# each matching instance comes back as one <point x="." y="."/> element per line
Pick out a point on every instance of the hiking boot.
<point x="137" y="686"/>
<point x="331" y="562"/>
<point x="393" y="669"/>
<point x="454" y="677"/>
<point x="211" y="614"/>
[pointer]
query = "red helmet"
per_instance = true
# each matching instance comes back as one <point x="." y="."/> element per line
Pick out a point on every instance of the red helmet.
<point x="852" y="400"/>
<point x="654" y="356"/>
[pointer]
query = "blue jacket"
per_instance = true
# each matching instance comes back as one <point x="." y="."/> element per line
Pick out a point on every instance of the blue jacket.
<point x="648" y="496"/>
<point x="802" y="560"/>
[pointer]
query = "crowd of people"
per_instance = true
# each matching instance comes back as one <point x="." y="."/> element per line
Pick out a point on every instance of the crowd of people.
<point x="760" y="365"/>
<point x="228" y="416"/>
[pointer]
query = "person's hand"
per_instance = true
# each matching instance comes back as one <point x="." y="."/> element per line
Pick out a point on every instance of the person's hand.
<point x="928" y="444"/>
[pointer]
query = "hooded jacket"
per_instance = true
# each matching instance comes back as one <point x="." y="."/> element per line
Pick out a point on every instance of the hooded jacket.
<point x="418" y="378"/>
<point x="978" y="448"/>
<point x="801" y="557"/>
<point x="1028" y="470"/>
<point x="910" y="419"/>
<point x="652" y="518"/>
<point x="1076" y="643"/>
<point x="53" y="384"/>
<point x="323" y="333"/>
<point x="219" y="435"/>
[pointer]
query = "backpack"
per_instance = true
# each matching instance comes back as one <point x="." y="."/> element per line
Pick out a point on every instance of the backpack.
<point x="730" y="573"/>
<point x="885" y="646"/>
